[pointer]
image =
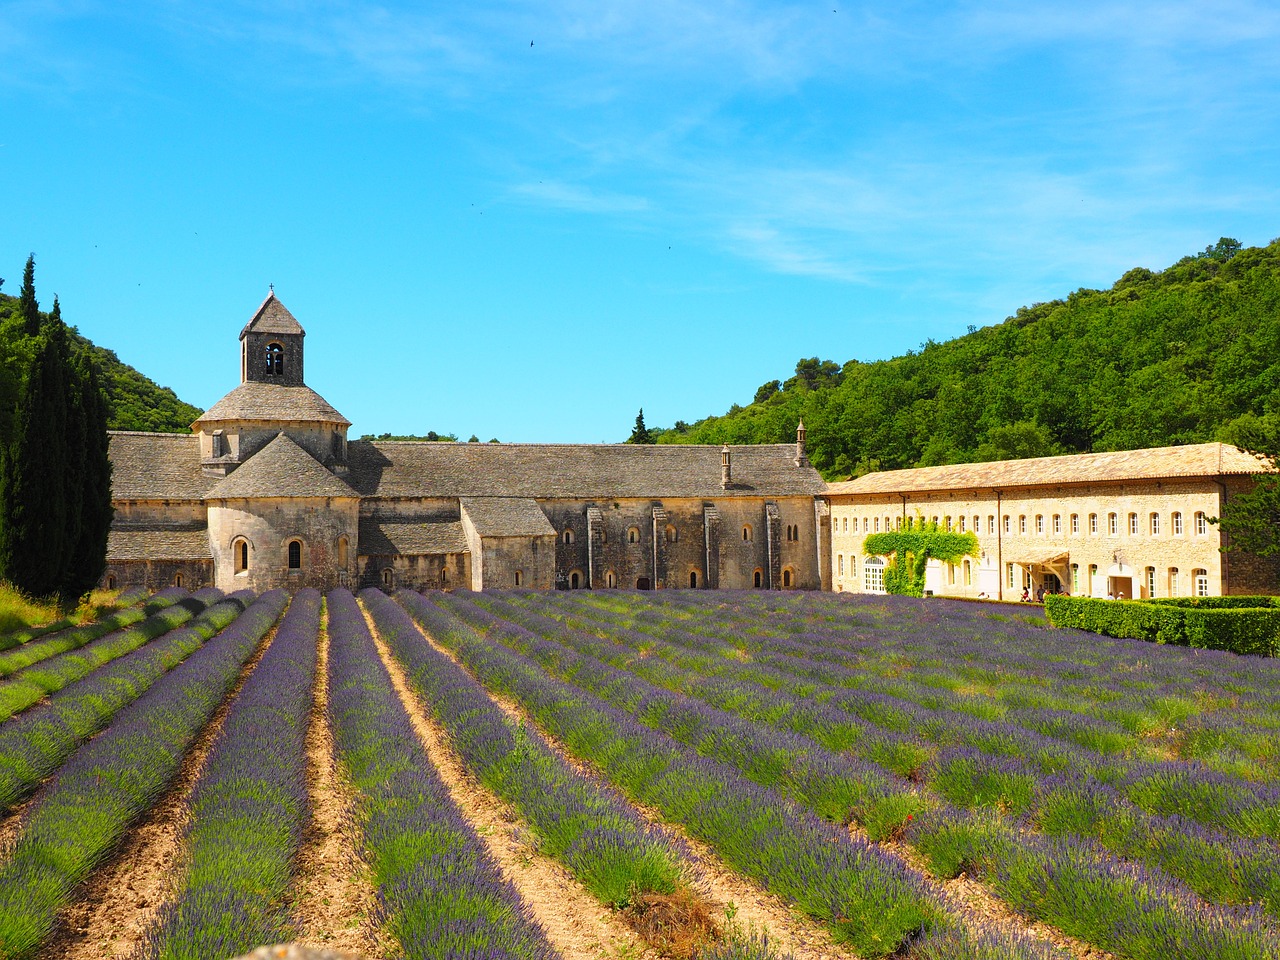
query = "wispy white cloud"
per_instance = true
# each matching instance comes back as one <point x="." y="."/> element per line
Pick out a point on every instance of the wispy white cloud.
<point x="569" y="196"/>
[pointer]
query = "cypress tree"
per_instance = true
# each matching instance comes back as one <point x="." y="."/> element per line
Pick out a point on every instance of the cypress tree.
<point x="33" y="489"/>
<point x="28" y="308"/>
<point x="640" y="434"/>
<point x="88" y="559"/>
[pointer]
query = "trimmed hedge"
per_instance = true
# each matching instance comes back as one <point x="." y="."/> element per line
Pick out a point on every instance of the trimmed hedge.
<point x="1209" y="623"/>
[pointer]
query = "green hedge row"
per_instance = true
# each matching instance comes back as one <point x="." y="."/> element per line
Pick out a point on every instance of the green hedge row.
<point x="1253" y="629"/>
<point x="1218" y="603"/>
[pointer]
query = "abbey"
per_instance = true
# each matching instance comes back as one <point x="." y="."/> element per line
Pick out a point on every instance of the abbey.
<point x="267" y="491"/>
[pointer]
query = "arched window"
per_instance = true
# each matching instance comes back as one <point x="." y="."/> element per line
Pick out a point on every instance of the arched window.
<point x="1039" y="523"/>
<point x="1173" y="581"/>
<point x="275" y="360"/>
<point x="1093" y="523"/>
<point x="693" y="579"/>
<point x="1200" y="578"/>
<point x="840" y="565"/>
<point x="1075" y="523"/>
<point x="1133" y="524"/>
<point x="786" y="577"/>
<point x="1057" y="523"/>
<point x="444" y="574"/>
<point x="575" y="580"/>
<point x="757" y="579"/>
<point x="1113" y="524"/>
<point x="1022" y="523"/>
<point x="672" y="534"/>
<point x="519" y="578"/>
<point x="295" y="554"/>
<point x="962" y="523"/>
<point x="633" y="534"/>
<point x="873" y="575"/>
<point x="1202" y="525"/>
<point x="1177" y="523"/>
<point x="1155" y="524"/>
<point x="611" y="580"/>
<point x="968" y="574"/>
<point x="177" y="579"/>
<point x="748" y="536"/>
<point x="568" y="535"/>
<point x="240" y="555"/>
<point x="877" y="524"/>
<point x="111" y="581"/>
<point x="387" y="576"/>
<point x="342" y="551"/>
<point x="1151" y="582"/>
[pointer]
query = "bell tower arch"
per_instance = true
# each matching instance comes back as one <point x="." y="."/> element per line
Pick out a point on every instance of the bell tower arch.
<point x="271" y="346"/>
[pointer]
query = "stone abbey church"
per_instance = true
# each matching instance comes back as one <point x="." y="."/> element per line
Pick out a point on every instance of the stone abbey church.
<point x="267" y="491"/>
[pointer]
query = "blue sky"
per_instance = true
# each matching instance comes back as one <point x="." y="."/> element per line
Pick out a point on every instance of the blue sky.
<point x="527" y="220"/>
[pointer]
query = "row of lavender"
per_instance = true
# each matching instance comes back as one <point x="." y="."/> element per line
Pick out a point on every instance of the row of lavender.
<point x="871" y="901"/>
<point x="81" y="814"/>
<point x="441" y="894"/>
<point x="921" y="725"/>
<point x="1137" y="809"/>
<point x="1041" y="876"/>
<point x="30" y="685"/>
<point x="248" y="808"/>
<point x="997" y="665"/>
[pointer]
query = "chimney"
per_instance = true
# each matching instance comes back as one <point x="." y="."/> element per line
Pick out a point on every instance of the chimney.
<point x="801" y="459"/>
<point x="724" y="467"/>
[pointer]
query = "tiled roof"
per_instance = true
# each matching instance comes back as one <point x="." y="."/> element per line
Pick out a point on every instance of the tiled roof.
<point x="410" y="538"/>
<point x="156" y="466"/>
<point x="1193" y="460"/>
<point x="270" y="401"/>
<point x="574" y="471"/>
<point x="272" y="317"/>
<point x="280" y="469"/>
<point x="141" y="544"/>
<point x="507" y="517"/>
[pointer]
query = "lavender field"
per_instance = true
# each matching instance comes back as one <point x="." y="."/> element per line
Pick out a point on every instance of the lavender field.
<point x="588" y="775"/>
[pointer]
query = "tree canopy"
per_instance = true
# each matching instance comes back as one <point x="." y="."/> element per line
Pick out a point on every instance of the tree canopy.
<point x="1184" y="355"/>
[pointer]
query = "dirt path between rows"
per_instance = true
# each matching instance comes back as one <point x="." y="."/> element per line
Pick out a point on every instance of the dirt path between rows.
<point x="332" y="898"/>
<point x="121" y="899"/>
<point x="11" y="824"/>
<point x="747" y="905"/>
<point x="576" y="923"/>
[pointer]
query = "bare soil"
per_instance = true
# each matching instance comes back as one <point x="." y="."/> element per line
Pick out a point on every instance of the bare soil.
<point x="576" y="923"/>
<point x="121" y="899"/>
<point x="332" y="897"/>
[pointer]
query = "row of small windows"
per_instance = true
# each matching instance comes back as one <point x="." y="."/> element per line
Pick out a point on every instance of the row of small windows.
<point x="1154" y="524"/>
<point x="672" y="535"/>
<point x="293" y="554"/>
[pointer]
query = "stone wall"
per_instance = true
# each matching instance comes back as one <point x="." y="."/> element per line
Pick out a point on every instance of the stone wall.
<point x="158" y="574"/>
<point x="268" y="526"/>
<point x="448" y="571"/>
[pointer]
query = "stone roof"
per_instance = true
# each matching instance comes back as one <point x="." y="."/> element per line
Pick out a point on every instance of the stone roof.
<point x="143" y="544"/>
<point x="1193" y="460"/>
<point x="411" y="538"/>
<point x="272" y="317"/>
<point x="574" y="471"/>
<point x="271" y="401"/>
<point x="280" y="469"/>
<point x="156" y="466"/>
<point x="507" y="517"/>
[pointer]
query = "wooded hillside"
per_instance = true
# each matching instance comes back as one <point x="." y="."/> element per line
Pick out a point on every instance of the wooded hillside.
<point x="1186" y="355"/>
<point x="134" y="401"/>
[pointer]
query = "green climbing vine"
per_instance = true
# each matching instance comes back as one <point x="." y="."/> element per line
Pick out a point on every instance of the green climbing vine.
<point x="912" y="548"/>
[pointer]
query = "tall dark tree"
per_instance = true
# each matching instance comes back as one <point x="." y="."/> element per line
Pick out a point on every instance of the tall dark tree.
<point x="88" y="555"/>
<point x="28" y="308"/>
<point x="33" y="493"/>
<point x="641" y="433"/>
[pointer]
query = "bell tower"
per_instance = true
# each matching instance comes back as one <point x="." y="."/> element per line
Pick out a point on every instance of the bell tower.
<point x="271" y="346"/>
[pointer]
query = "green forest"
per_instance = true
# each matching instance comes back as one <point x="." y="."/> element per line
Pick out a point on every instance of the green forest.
<point x="134" y="401"/>
<point x="1188" y="354"/>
